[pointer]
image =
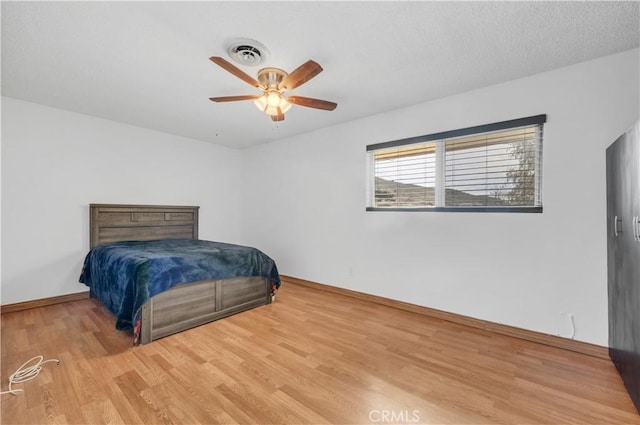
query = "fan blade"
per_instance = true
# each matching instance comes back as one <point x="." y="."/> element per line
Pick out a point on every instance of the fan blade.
<point x="279" y="117"/>
<point x="312" y="103"/>
<point x="301" y="75"/>
<point x="233" y="98"/>
<point x="228" y="66"/>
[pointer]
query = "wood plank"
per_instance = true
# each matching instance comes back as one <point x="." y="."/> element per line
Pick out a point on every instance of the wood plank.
<point x="135" y="207"/>
<point x="144" y="233"/>
<point x="186" y="293"/>
<point x="538" y="337"/>
<point x="243" y="290"/>
<point x="183" y="312"/>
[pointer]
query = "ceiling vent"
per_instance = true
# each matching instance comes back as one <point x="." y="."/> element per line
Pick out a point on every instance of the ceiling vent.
<point x="245" y="51"/>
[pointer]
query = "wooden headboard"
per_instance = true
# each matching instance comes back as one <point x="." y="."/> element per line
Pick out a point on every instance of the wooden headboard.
<point x="115" y="222"/>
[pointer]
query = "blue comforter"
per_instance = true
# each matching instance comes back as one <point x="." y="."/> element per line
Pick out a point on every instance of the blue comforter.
<point x="125" y="275"/>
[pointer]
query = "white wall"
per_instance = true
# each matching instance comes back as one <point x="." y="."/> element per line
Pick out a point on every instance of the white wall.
<point x="55" y="163"/>
<point x="305" y="205"/>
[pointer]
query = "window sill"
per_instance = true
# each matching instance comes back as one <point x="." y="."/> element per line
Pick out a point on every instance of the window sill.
<point x="462" y="209"/>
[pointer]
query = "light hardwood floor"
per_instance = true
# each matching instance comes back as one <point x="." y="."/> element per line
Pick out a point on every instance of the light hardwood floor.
<point x="312" y="357"/>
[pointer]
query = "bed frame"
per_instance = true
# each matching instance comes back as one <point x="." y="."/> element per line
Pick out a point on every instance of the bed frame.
<point x="185" y="305"/>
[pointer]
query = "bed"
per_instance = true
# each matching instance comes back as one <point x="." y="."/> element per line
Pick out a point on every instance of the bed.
<point x="183" y="299"/>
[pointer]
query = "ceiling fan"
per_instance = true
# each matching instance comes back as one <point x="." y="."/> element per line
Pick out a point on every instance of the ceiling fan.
<point x="274" y="82"/>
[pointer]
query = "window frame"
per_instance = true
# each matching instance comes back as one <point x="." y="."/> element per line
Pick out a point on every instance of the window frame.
<point x="438" y="137"/>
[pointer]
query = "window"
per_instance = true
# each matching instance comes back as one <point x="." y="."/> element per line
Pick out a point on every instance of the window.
<point x="493" y="167"/>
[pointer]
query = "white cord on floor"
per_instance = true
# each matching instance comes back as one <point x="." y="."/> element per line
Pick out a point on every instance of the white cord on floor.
<point x="24" y="374"/>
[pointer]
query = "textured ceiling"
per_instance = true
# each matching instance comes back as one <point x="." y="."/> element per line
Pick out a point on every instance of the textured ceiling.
<point x="146" y="63"/>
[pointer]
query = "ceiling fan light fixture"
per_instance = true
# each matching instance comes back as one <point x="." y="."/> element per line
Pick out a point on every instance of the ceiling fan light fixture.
<point x="274" y="82"/>
<point x="270" y="101"/>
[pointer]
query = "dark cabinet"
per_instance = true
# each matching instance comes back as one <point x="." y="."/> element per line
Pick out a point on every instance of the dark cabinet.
<point x="623" y="258"/>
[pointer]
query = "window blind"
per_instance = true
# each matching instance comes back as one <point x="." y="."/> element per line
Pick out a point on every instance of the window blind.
<point x="405" y="176"/>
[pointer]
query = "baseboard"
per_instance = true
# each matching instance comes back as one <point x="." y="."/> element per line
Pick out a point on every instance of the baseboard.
<point x="541" y="338"/>
<point x="43" y="302"/>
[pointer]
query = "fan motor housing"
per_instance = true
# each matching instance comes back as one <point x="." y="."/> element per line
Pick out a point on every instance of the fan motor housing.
<point x="271" y="77"/>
